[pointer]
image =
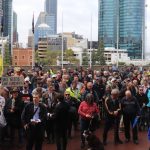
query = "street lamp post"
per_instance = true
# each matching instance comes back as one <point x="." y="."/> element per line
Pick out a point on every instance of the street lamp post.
<point x="91" y="45"/>
<point x="62" y="48"/>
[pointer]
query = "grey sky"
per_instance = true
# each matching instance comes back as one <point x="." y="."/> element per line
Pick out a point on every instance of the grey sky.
<point x="76" y="17"/>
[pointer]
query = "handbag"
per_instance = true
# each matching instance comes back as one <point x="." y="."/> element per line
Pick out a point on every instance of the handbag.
<point x="3" y="122"/>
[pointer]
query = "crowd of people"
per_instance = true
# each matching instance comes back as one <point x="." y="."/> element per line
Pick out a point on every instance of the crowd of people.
<point x="52" y="103"/>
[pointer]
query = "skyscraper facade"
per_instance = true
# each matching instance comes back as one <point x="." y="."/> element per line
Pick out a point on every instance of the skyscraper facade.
<point x="1" y="14"/>
<point x="122" y="21"/>
<point x="7" y="20"/>
<point x="42" y="29"/>
<point x="51" y="14"/>
<point x="15" y="33"/>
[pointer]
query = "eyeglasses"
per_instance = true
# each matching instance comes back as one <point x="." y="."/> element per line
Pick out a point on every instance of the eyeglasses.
<point x="67" y="94"/>
<point x="140" y="89"/>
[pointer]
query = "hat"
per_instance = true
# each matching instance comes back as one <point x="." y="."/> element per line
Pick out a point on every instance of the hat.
<point x="17" y="69"/>
<point x="15" y="89"/>
<point x="54" y="76"/>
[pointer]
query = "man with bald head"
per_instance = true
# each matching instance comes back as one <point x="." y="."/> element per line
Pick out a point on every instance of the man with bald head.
<point x="130" y="109"/>
<point x="89" y="89"/>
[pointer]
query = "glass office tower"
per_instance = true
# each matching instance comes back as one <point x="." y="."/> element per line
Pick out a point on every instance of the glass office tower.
<point x="51" y="14"/>
<point x="7" y="21"/>
<point x="124" y="18"/>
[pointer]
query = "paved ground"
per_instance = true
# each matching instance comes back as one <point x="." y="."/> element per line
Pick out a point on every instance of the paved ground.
<point x="74" y="143"/>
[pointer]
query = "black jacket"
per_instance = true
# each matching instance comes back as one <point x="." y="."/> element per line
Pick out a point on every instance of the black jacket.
<point x="60" y="116"/>
<point x="14" y="118"/>
<point x="111" y="106"/>
<point x="28" y="114"/>
<point x="130" y="107"/>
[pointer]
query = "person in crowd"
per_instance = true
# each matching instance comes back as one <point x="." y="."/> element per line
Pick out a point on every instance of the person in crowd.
<point x="74" y="91"/>
<point x="60" y="115"/>
<point x="26" y="95"/>
<point x="89" y="89"/>
<point x="143" y="101"/>
<point x="73" y="114"/>
<point x="87" y="110"/>
<point x="55" y="82"/>
<point x="99" y="87"/>
<point x="113" y="110"/>
<point x="33" y="119"/>
<point x="79" y="84"/>
<point x="62" y="86"/>
<point x="49" y="100"/>
<point x="13" y="110"/>
<point x="2" y="105"/>
<point x="130" y="109"/>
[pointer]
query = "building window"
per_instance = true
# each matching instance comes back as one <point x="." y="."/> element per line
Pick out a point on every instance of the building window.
<point x="15" y="57"/>
<point x="30" y="63"/>
<point x="22" y="57"/>
<point x="30" y="57"/>
<point x="15" y="63"/>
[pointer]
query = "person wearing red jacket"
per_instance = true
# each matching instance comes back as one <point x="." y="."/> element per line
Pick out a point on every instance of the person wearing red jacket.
<point x="88" y="110"/>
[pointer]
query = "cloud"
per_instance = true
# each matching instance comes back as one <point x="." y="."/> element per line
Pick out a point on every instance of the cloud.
<point x="76" y="16"/>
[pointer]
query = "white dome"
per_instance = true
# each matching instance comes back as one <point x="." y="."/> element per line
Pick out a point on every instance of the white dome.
<point x="43" y="25"/>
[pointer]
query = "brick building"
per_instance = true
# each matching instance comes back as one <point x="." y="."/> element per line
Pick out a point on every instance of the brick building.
<point x="22" y="57"/>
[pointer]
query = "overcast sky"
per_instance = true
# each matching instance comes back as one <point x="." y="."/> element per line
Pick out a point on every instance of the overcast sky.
<point x="76" y="16"/>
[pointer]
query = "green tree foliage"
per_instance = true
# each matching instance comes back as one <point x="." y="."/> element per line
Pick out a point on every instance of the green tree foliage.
<point x="100" y="59"/>
<point x="50" y="59"/>
<point x="7" y="56"/>
<point x="85" y="58"/>
<point x="70" y="57"/>
<point x="94" y="57"/>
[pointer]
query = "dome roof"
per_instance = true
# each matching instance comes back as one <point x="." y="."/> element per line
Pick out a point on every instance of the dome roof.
<point x="43" y="25"/>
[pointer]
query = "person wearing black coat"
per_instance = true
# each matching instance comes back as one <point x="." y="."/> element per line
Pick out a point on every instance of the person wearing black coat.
<point x="73" y="113"/>
<point x="130" y="110"/>
<point x="12" y="111"/>
<point x="33" y="119"/>
<point x="60" y="116"/>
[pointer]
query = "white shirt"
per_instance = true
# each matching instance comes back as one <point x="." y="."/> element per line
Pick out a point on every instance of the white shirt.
<point x="2" y="103"/>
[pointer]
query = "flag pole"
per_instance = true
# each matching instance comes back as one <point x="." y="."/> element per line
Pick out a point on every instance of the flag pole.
<point x="62" y="48"/>
<point x="33" y="45"/>
<point x="2" y="48"/>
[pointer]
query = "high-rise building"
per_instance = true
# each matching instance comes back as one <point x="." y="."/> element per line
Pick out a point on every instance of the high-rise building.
<point x="15" y="33"/>
<point x="51" y="17"/>
<point x="30" y="39"/>
<point x="147" y="30"/>
<point x="42" y="29"/>
<point x="1" y="13"/>
<point x="122" y="20"/>
<point x="7" y="21"/>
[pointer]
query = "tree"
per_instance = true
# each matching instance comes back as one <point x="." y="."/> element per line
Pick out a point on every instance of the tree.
<point x="94" y="56"/>
<point x="70" y="57"/>
<point x="100" y="59"/>
<point x="85" y="58"/>
<point x="50" y="59"/>
<point x="7" y="56"/>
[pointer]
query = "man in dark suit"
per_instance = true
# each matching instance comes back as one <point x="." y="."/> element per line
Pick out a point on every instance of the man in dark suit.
<point x="49" y="100"/>
<point x="33" y="118"/>
<point x="60" y="116"/>
<point x="12" y="111"/>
